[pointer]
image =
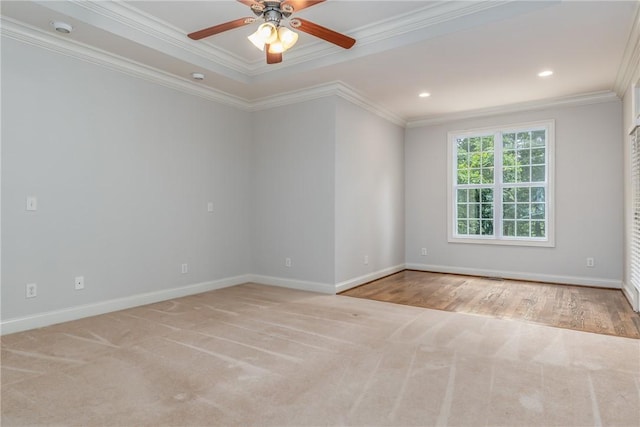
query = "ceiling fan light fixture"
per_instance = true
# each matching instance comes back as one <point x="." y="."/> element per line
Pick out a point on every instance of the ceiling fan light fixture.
<point x="266" y="33"/>
<point x="276" y="47"/>
<point x="256" y="40"/>
<point x="287" y="37"/>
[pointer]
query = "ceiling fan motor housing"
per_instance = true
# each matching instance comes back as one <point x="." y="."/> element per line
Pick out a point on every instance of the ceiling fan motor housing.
<point x="272" y="11"/>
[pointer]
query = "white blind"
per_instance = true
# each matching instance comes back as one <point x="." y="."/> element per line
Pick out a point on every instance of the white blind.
<point x="635" y="188"/>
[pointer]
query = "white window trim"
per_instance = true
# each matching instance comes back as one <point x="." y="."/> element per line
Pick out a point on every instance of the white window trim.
<point x="498" y="239"/>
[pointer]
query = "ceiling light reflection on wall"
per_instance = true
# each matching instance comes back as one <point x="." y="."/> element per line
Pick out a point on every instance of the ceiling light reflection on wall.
<point x="545" y="73"/>
<point x="279" y="39"/>
<point x="424" y="95"/>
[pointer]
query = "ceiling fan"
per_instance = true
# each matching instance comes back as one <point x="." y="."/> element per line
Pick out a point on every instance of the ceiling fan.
<point x="273" y="37"/>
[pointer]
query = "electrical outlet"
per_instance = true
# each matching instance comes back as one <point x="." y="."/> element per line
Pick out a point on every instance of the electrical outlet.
<point x="185" y="268"/>
<point x="210" y="207"/>
<point x="31" y="290"/>
<point x="591" y="262"/>
<point x="32" y="203"/>
<point x="366" y="259"/>
<point x="423" y="252"/>
<point x="287" y="262"/>
<point x="79" y="283"/>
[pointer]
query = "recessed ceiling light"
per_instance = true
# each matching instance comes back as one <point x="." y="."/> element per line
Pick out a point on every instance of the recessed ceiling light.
<point x="424" y="95"/>
<point x="197" y="76"/>
<point x="61" y="27"/>
<point x="545" y="73"/>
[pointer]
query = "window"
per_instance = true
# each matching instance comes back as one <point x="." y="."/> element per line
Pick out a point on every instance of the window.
<point x="635" y="208"/>
<point x="501" y="185"/>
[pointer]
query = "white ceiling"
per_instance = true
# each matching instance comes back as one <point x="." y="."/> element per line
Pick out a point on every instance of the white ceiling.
<point x="469" y="55"/>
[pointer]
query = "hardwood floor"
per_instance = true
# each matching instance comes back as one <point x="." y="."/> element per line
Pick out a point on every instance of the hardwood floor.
<point x="603" y="311"/>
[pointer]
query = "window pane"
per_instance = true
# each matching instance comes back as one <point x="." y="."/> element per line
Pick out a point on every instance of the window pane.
<point x="475" y="160"/>
<point x="509" y="195"/>
<point x="538" y="229"/>
<point x="487" y="195"/>
<point x="509" y="228"/>
<point x="462" y="211"/>
<point x="538" y="138"/>
<point x="487" y="143"/>
<point x="509" y="140"/>
<point x="509" y="175"/>
<point x="537" y="210"/>
<point x="475" y="144"/>
<point x="463" y="176"/>
<point x="474" y="227"/>
<point x="522" y="211"/>
<point x="509" y="158"/>
<point x="474" y="195"/>
<point x="537" y="194"/>
<point x="487" y="176"/>
<point x="462" y="227"/>
<point x="463" y="160"/>
<point x="524" y="174"/>
<point x="537" y="173"/>
<point x="523" y="140"/>
<point x="487" y="160"/>
<point x="462" y="145"/>
<point x="487" y="211"/>
<point x="522" y="228"/>
<point x="487" y="228"/>
<point x="524" y="157"/>
<point x="462" y="196"/>
<point x="537" y="156"/>
<point x="474" y="176"/>
<point x="474" y="210"/>
<point x="522" y="194"/>
<point x="508" y="211"/>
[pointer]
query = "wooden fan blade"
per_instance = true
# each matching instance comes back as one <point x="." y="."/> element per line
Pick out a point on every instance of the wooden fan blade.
<point x="301" y="4"/>
<point x="220" y="28"/>
<point x="322" y="32"/>
<point x="272" y="58"/>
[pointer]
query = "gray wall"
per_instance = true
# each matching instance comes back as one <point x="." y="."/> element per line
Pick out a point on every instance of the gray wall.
<point x="369" y="198"/>
<point x="293" y="191"/>
<point x="589" y="201"/>
<point x="123" y="170"/>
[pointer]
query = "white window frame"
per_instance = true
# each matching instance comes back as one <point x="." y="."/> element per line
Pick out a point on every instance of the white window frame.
<point x="498" y="238"/>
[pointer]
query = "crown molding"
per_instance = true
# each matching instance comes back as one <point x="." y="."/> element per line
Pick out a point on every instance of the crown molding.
<point x="74" y="49"/>
<point x="110" y="15"/>
<point x="631" y="60"/>
<point x="386" y="29"/>
<point x="124" y="20"/>
<point x="335" y="88"/>
<point x="566" y="101"/>
<point x="33" y="36"/>
<point x="436" y="19"/>
<point x="68" y="47"/>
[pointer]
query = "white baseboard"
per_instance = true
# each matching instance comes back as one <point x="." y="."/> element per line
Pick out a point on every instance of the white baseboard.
<point x="632" y="294"/>
<point x="302" y="285"/>
<point x="516" y="275"/>
<point x="352" y="283"/>
<point x="73" y="313"/>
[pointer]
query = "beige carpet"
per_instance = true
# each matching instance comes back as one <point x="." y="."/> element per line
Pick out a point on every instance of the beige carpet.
<point x="259" y="355"/>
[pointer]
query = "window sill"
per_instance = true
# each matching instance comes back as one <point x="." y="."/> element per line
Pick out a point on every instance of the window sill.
<point x="503" y="242"/>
